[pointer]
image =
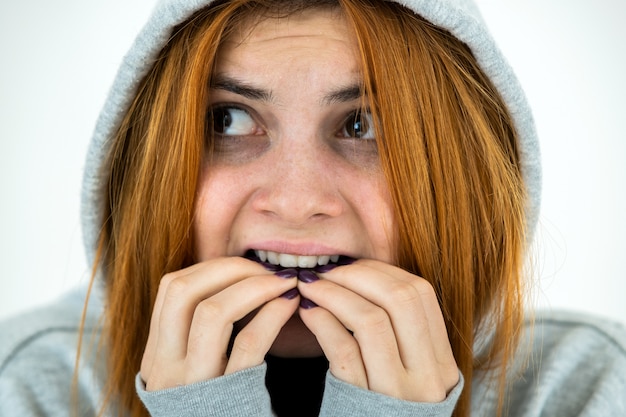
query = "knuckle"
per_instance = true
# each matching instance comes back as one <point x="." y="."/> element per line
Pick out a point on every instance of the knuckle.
<point x="425" y="289"/>
<point x="196" y="344"/>
<point x="157" y="380"/>
<point x="170" y="282"/>
<point x="397" y="389"/>
<point x="248" y="342"/>
<point x="347" y="353"/>
<point x="166" y="280"/>
<point x="451" y="376"/>
<point x="208" y="313"/>
<point x="177" y="287"/>
<point x="144" y="370"/>
<point x="430" y="389"/>
<point x="403" y="293"/>
<point x="438" y="392"/>
<point x="375" y="320"/>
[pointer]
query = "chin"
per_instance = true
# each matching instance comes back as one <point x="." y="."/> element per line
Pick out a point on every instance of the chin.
<point x="295" y="340"/>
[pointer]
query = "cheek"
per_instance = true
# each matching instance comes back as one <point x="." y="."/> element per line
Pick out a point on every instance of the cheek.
<point x="385" y="237"/>
<point x="375" y="208"/>
<point x="214" y="213"/>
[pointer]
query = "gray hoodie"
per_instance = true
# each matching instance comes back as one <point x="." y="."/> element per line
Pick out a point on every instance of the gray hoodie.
<point x="576" y="364"/>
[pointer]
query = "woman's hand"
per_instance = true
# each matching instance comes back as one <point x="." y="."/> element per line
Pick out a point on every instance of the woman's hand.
<point x="381" y="328"/>
<point x="194" y="315"/>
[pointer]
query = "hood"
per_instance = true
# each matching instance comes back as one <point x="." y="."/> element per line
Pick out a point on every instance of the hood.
<point x="459" y="17"/>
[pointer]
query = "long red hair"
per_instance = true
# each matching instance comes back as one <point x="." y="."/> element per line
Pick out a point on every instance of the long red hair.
<point x="447" y="146"/>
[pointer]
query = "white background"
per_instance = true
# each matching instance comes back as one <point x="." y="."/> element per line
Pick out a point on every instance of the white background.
<point x="58" y="60"/>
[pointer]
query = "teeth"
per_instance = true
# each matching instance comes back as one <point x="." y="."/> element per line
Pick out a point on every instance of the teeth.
<point x="291" y="261"/>
<point x="323" y="260"/>
<point x="272" y="257"/>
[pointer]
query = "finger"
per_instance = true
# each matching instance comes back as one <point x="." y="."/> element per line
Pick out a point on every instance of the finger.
<point x="416" y="318"/>
<point x="201" y="279"/>
<point x="183" y="290"/>
<point x="428" y="299"/>
<point x="213" y="320"/>
<point x="339" y="346"/>
<point x="371" y="329"/>
<point x="411" y="303"/>
<point x="439" y="338"/>
<point x="153" y="334"/>
<point x="256" y="338"/>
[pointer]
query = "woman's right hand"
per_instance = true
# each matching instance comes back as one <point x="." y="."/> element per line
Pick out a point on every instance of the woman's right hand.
<point x="193" y="318"/>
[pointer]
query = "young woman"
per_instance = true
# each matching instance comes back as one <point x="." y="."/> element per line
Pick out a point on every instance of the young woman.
<point x="311" y="208"/>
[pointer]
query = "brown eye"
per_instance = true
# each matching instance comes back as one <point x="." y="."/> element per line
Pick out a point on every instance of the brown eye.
<point x="232" y="121"/>
<point x="358" y="125"/>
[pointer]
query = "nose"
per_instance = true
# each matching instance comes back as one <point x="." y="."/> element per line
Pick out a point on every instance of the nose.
<point x="300" y="186"/>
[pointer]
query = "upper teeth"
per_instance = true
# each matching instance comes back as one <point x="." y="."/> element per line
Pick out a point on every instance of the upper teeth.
<point x="291" y="261"/>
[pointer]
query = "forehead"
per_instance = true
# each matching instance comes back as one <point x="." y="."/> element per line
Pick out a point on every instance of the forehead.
<point x="321" y="31"/>
<point x="263" y="26"/>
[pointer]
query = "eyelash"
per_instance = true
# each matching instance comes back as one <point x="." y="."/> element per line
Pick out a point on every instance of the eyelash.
<point x="221" y="117"/>
<point x="356" y="117"/>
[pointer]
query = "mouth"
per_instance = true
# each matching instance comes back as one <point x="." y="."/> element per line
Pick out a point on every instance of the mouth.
<point x="287" y="260"/>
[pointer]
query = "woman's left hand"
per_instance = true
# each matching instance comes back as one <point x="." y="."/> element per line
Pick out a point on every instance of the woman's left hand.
<point x="381" y="328"/>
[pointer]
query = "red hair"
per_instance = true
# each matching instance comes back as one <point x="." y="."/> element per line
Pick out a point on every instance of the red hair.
<point x="447" y="147"/>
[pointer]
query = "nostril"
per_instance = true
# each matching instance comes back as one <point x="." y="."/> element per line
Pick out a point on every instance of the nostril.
<point x="297" y="202"/>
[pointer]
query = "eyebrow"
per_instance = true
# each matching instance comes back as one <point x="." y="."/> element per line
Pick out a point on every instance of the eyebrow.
<point x="242" y="88"/>
<point x="251" y="92"/>
<point x="344" y="95"/>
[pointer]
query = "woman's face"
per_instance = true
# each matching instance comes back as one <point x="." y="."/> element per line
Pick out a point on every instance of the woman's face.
<point x="295" y="172"/>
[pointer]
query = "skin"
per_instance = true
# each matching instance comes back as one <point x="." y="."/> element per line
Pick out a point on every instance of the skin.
<point x="290" y="175"/>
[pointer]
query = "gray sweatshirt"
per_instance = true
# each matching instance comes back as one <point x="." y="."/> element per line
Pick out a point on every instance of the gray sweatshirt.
<point x="576" y="365"/>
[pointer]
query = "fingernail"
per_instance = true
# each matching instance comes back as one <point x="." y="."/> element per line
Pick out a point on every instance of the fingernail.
<point x="307" y="276"/>
<point x="291" y="294"/>
<point x="307" y="304"/>
<point x="325" y="268"/>
<point x="271" y="267"/>
<point x="250" y="255"/>
<point x="345" y="260"/>
<point x="287" y="273"/>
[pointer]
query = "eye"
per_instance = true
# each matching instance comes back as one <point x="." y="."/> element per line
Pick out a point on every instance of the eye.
<point x="232" y="121"/>
<point x="358" y="124"/>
